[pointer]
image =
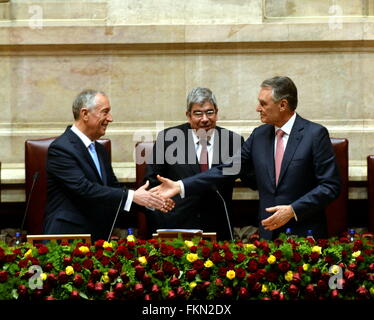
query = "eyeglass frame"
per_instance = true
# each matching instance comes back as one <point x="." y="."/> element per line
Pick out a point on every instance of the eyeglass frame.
<point x="209" y="113"/>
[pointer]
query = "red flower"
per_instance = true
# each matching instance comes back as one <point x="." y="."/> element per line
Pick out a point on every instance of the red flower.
<point x="74" y="295"/>
<point x="99" y="244"/>
<point x="78" y="280"/>
<point x="349" y="275"/>
<point x="275" y="295"/>
<point x="124" y="277"/>
<point x="227" y="292"/>
<point x="334" y="294"/>
<point x="90" y="286"/>
<point x="105" y="261"/>
<point x="205" y="274"/>
<point x="278" y="254"/>
<point x="112" y="274"/>
<point x="178" y="253"/>
<point x="272" y="276"/>
<point x="240" y="273"/>
<point x="296" y="257"/>
<point x="3" y="276"/>
<point x="278" y="242"/>
<point x="142" y="251"/>
<point x="322" y="286"/>
<point x="216" y="257"/>
<point x="23" y="263"/>
<point x="205" y="252"/>
<point x="296" y="279"/>
<point x="174" y="282"/>
<point x="52" y="278"/>
<point x="167" y="267"/>
<point x="87" y="264"/>
<point x="155" y="289"/>
<point x="160" y="275"/>
<point x="293" y="290"/>
<point x="362" y="293"/>
<point x="256" y="288"/>
<point x="77" y="267"/>
<point x="110" y="295"/>
<point x="260" y="273"/>
<point x="314" y="256"/>
<point x="198" y="265"/>
<point x="67" y="261"/>
<point x="357" y="245"/>
<point x="263" y="260"/>
<point x="99" y="287"/>
<point x="243" y="293"/>
<point x="180" y="292"/>
<point x="218" y="282"/>
<point x="63" y="277"/>
<point x="95" y="274"/>
<point x="139" y="271"/>
<point x="252" y="265"/>
<point x="22" y="290"/>
<point x="48" y="267"/>
<point x="171" y="295"/>
<point x="193" y="249"/>
<point x="222" y="272"/>
<point x="119" y="288"/>
<point x="284" y="266"/>
<point x="241" y="257"/>
<point x="310" y="291"/>
<point x="228" y="256"/>
<point x="251" y="279"/>
<point x="43" y="250"/>
<point x="138" y="288"/>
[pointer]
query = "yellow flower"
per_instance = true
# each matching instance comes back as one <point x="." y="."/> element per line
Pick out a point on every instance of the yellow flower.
<point x="306" y="266"/>
<point x="84" y="249"/>
<point x="230" y="274"/>
<point x="335" y="269"/>
<point x="372" y="291"/>
<point x="192" y="257"/>
<point x="188" y="243"/>
<point x="288" y="276"/>
<point x="143" y="260"/>
<point x="28" y="253"/>
<point x="105" y="278"/>
<point x="43" y="276"/>
<point x="193" y="284"/>
<point x="272" y="259"/>
<point x="317" y="249"/>
<point x="264" y="288"/>
<point x="250" y="247"/>
<point x="208" y="264"/>
<point x="107" y="244"/>
<point x="356" y="254"/>
<point x="130" y="238"/>
<point x="69" y="270"/>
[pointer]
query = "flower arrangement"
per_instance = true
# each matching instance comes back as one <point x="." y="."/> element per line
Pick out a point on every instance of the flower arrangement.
<point x="127" y="269"/>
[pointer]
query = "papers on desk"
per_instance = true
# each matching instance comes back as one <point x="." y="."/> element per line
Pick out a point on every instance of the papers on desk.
<point x="180" y="230"/>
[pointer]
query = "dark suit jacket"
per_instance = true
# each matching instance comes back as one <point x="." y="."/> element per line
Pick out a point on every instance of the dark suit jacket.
<point x="205" y="210"/>
<point x="309" y="177"/>
<point x="78" y="200"/>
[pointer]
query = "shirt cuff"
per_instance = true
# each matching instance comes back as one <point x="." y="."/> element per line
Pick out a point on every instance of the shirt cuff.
<point x="181" y="185"/>
<point x="130" y="197"/>
<point x="294" y="214"/>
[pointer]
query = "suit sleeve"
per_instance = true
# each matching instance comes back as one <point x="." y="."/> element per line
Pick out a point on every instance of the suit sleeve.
<point x="240" y="166"/>
<point x="66" y="170"/>
<point x="327" y="176"/>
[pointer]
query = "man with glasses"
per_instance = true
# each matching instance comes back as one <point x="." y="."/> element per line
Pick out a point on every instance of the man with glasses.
<point x="186" y="150"/>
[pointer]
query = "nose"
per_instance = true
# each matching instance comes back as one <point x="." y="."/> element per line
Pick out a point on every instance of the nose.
<point x="204" y="117"/>
<point x="109" y="117"/>
<point x="258" y="108"/>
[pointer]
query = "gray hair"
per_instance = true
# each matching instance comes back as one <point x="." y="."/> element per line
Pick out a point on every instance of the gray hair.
<point x="282" y="88"/>
<point x="200" y="96"/>
<point x="87" y="99"/>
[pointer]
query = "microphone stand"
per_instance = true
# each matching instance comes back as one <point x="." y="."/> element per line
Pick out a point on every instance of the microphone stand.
<point x="115" y="218"/>
<point x="227" y="213"/>
<point x="34" y="180"/>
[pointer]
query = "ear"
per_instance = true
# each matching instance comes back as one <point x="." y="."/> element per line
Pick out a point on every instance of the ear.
<point x="84" y="114"/>
<point x="283" y="105"/>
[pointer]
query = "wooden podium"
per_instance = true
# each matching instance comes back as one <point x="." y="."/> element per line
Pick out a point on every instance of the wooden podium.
<point x="186" y="235"/>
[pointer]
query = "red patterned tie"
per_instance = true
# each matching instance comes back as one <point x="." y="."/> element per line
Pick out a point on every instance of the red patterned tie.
<point x="204" y="160"/>
<point x="279" y="154"/>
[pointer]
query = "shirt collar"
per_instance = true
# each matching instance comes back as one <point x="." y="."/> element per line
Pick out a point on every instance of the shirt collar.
<point x="287" y="127"/>
<point x="86" y="140"/>
<point x="196" y="138"/>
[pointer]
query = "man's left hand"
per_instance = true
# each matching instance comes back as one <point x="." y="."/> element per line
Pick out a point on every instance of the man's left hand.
<point x="282" y="214"/>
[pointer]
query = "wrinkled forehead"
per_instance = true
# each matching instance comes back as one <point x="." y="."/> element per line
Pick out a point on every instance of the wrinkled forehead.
<point x="202" y="107"/>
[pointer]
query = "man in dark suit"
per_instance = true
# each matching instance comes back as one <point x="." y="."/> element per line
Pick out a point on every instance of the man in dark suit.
<point x="293" y="163"/>
<point x="186" y="150"/>
<point x="83" y="192"/>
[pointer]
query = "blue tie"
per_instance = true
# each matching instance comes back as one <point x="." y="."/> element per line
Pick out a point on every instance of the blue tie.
<point x="95" y="159"/>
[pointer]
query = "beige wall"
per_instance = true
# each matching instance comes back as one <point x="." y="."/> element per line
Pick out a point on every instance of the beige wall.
<point x="148" y="54"/>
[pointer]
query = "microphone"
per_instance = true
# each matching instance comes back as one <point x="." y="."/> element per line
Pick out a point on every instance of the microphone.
<point x="115" y="218"/>
<point x="35" y="178"/>
<point x="214" y="187"/>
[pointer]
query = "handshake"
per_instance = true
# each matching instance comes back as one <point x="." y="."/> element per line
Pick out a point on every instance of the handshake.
<point x="158" y="197"/>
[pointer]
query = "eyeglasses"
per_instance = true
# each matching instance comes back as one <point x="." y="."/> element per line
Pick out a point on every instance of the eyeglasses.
<point x="208" y="113"/>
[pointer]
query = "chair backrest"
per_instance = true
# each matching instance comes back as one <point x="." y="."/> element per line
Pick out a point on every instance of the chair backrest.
<point x="370" y="169"/>
<point x="337" y="211"/>
<point x="143" y="152"/>
<point x="35" y="161"/>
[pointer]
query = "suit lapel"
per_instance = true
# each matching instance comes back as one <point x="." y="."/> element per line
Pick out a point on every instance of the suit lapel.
<point x="82" y="151"/>
<point x="292" y="144"/>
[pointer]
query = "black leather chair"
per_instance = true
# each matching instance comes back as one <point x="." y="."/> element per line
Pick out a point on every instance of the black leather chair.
<point x="35" y="161"/>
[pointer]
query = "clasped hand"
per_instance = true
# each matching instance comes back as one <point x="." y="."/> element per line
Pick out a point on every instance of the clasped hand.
<point x="149" y="199"/>
<point x="282" y="214"/>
